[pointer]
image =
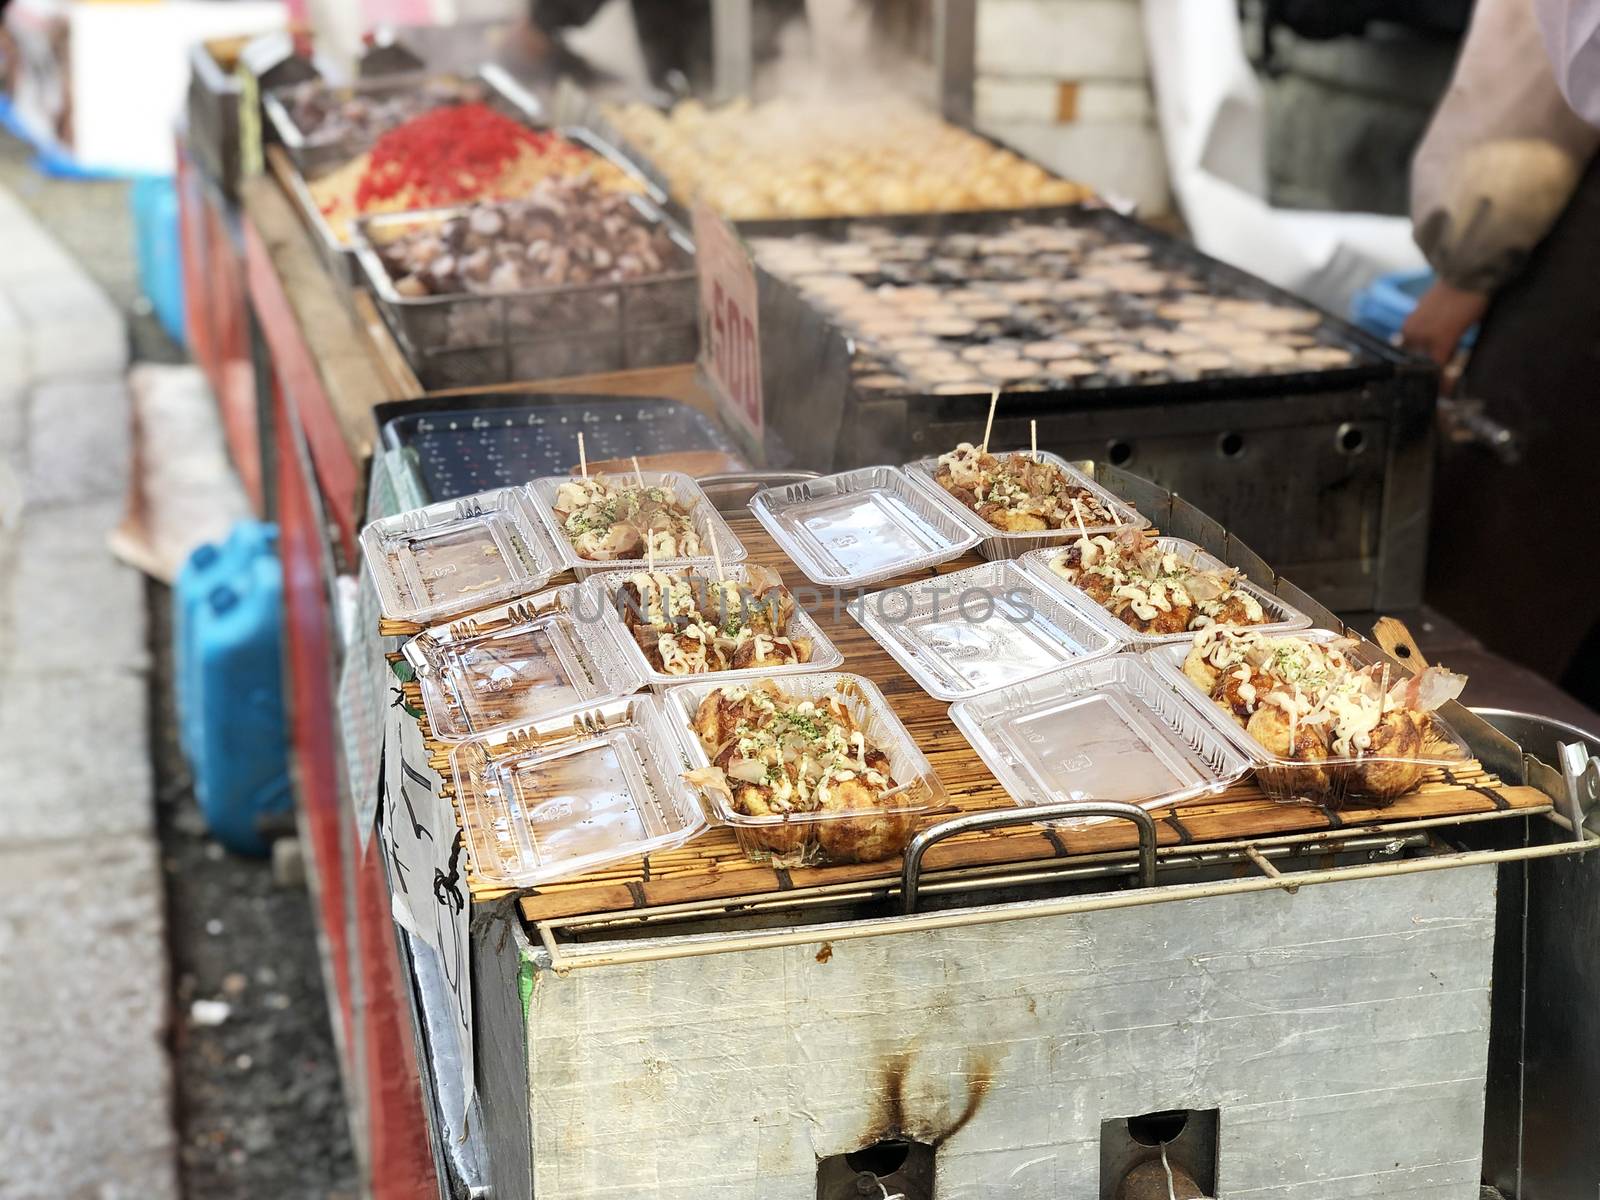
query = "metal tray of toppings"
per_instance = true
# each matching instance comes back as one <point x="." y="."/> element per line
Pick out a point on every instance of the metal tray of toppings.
<point x="1375" y="775"/>
<point x="715" y="538"/>
<point x="739" y="619"/>
<point x="983" y="628"/>
<point x="322" y="125"/>
<point x="450" y="558"/>
<point x="1004" y="543"/>
<point x="802" y="834"/>
<point x="622" y="291"/>
<point x="1277" y="615"/>
<point x="525" y="661"/>
<point x="861" y="526"/>
<point x="559" y="797"/>
<point x="338" y="254"/>
<point x="1108" y="730"/>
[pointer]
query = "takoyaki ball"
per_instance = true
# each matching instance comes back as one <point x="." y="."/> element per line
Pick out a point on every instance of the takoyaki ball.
<point x="765" y="652"/>
<point x="1166" y="620"/>
<point x="1237" y="691"/>
<point x="1068" y="561"/>
<point x="784" y="840"/>
<point x="1236" y="611"/>
<point x="1270" y="727"/>
<point x="869" y="837"/>
<point x="1397" y="736"/>
<point x="1012" y="521"/>
<point x="1099" y="588"/>
<point x="630" y="602"/>
<point x="717" y="718"/>
<point x="1199" y="671"/>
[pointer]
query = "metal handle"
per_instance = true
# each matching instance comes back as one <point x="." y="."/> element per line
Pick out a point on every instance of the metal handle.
<point x="1465" y="423"/>
<point x="911" y="872"/>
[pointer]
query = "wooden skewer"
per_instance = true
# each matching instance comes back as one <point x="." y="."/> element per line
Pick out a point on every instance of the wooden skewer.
<point x="1033" y="438"/>
<point x="638" y="474"/>
<point x="994" y="399"/>
<point x="1077" y="516"/>
<point x="583" y="459"/>
<point x="716" y="555"/>
<point x="1397" y="641"/>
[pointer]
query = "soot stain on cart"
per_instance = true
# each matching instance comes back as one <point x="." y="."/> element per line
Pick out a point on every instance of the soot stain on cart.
<point x="890" y="1118"/>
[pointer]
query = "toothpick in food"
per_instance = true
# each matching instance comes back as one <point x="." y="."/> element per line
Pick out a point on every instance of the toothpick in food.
<point x="994" y="399"/>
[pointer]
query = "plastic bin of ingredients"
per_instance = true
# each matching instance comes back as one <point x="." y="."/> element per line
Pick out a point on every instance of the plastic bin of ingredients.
<point x="1279" y="616"/>
<point x="449" y="558"/>
<point x="562" y="796"/>
<point x="1000" y="543"/>
<point x="1365" y="778"/>
<point x="861" y="526"/>
<point x="1108" y="730"/>
<point x="707" y="522"/>
<point x="975" y="630"/>
<point x="525" y="661"/>
<point x="869" y="833"/>
<point x="679" y="589"/>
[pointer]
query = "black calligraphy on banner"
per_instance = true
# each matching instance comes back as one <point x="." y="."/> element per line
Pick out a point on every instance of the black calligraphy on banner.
<point x="426" y="857"/>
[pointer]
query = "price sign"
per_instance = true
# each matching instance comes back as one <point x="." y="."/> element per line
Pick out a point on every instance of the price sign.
<point x="730" y="343"/>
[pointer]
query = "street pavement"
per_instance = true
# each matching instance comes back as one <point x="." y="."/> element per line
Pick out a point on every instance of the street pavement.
<point x="85" y="1075"/>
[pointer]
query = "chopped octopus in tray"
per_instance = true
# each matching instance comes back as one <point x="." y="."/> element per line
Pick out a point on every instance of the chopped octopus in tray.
<point x="806" y="765"/>
<point x="1338" y="726"/>
<point x="688" y="624"/>
<point x="1155" y="590"/>
<point x="608" y="521"/>
<point x="1018" y="494"/>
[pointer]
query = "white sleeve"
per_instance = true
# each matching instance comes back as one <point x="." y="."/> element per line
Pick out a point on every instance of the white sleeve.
<point x="1571" y="32"/>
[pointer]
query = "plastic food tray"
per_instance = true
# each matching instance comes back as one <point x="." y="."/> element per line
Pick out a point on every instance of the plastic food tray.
<point x="980" y="629"/>
<point x="707" y="522"/>
<point x="1109" y="730"/>
<point x="804" y="838"/>
<point x="559" y="797"/>
<point x="1281" y="617"/>
<point x="825" y="656"/>
<point x="999" y="543"/>
<point x="449" y="558"/>
<point x="862" y="526"/>
<point x="1331" y="782"/>
<point x="525" y="661"/>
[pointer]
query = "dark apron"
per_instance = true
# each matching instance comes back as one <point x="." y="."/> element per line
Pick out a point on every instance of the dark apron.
<point x="1512" y="556"/>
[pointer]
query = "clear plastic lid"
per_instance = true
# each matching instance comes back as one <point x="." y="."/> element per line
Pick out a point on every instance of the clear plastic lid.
<point x="861" y="526"/>
<point x="559" y="797"/>
<point x="617" y="610"/>
<point x="1417" y="743"/>
<point x="524" y="661"/>
<point x="979" y="629"/>
<point x="449" y="558"/>
<point x="1108" y="730"/>
<point x="1001" y="543"/>
<point x="844" y="834"/>
<point x="1280" y="617"/>
<point x="708" y="523"/>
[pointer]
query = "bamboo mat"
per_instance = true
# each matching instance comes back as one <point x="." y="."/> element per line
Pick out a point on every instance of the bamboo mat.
<point x="713" y="867"/>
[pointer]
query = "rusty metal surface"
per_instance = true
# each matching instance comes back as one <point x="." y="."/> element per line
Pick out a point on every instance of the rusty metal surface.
<point x="1355" y="1015"/>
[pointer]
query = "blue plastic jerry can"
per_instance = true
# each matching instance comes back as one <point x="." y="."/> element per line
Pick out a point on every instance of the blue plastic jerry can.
<point x="238" y="750"/>
<point x="208" y="565"/>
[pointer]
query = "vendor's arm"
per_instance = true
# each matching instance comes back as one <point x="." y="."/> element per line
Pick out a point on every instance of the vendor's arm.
<point x="1501" y="159"/>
